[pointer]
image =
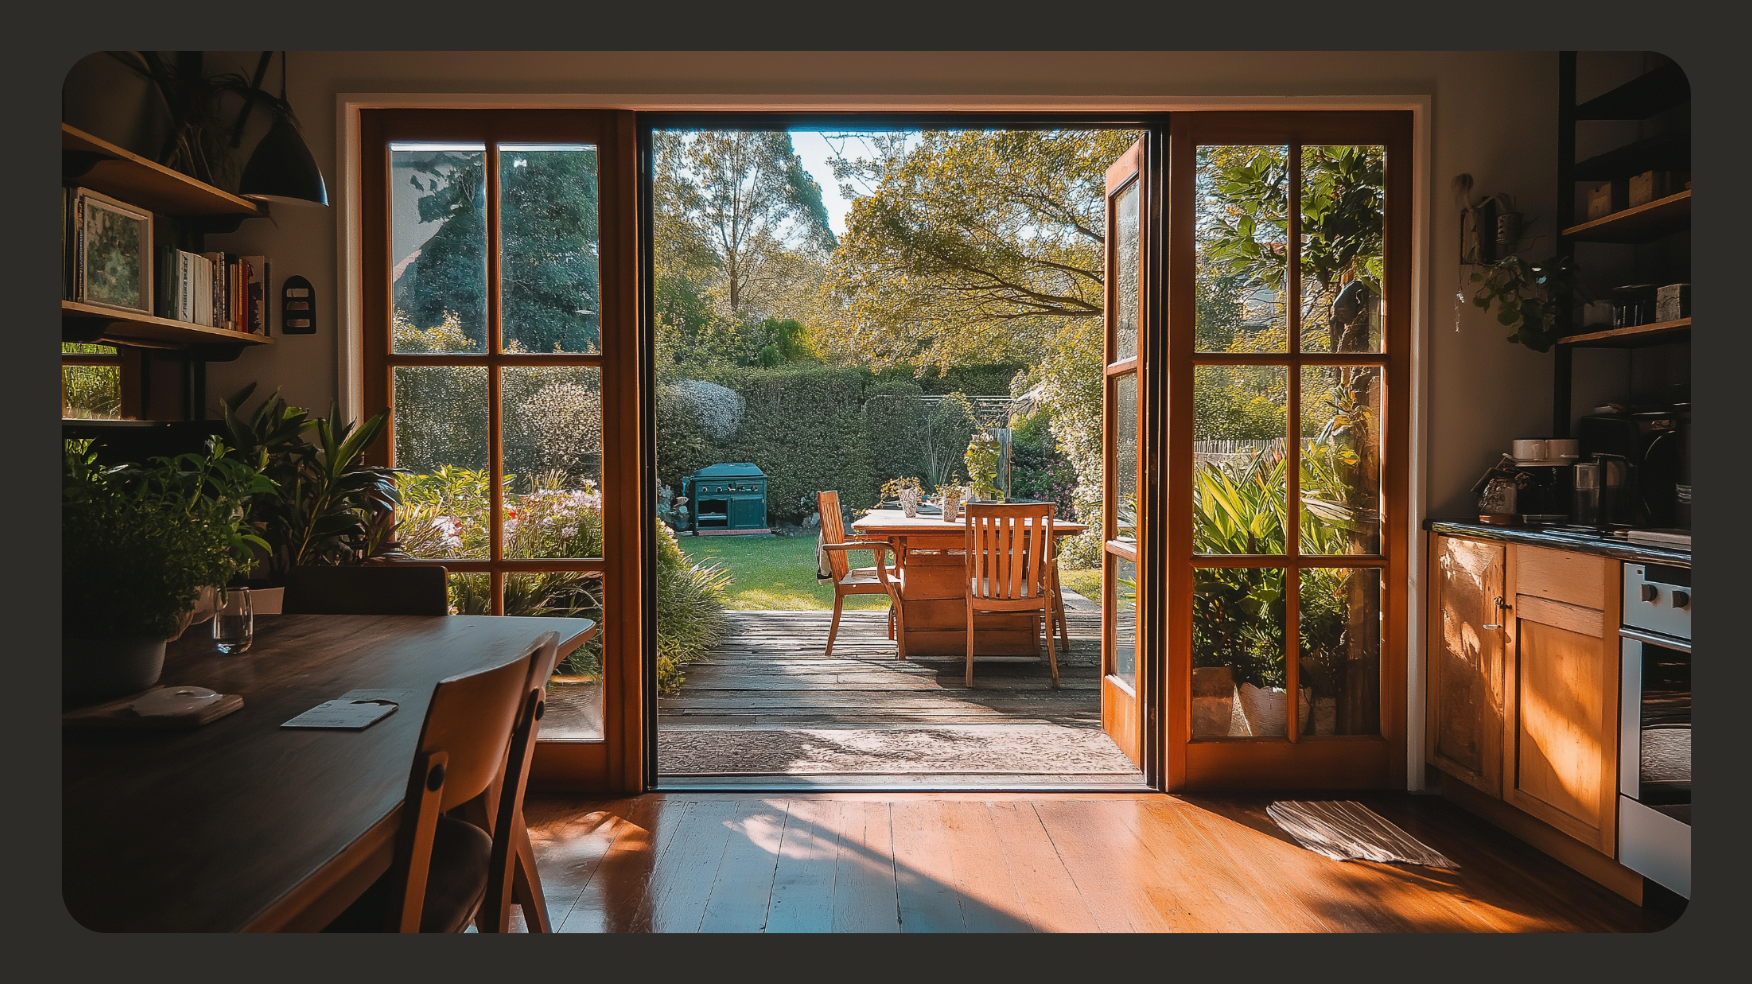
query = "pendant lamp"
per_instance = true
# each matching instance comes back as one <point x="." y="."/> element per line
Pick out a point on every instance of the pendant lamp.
<point x="282" y="169"/>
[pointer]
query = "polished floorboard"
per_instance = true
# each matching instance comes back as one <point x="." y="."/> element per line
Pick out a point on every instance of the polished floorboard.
<point x="1032" y="862"/>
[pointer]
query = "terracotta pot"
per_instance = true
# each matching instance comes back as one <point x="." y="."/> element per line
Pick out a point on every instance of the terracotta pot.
<point x="951" y="508"/>
<point x="1325" y="716"/>
<point x="1213" y="700"/>
<point x="96" y="668"/>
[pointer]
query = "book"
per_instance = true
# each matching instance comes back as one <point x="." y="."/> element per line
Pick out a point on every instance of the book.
<point x="255" y="294"/>
<point x="215" y="290"/>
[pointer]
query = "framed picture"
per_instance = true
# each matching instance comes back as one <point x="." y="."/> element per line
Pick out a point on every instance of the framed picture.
<point x="114" y="253"/>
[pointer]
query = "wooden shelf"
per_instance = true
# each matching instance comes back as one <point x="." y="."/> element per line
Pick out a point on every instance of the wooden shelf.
<point x="1640" y="224"/>
<point x="102" y="166"/>
<point x="1667" y="151"/>
<point x="94" y="323"/>
<point x="1655" y="334"/>
<point x="1641" y="97"/>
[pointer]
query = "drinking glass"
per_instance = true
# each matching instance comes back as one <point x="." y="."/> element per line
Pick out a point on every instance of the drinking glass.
<point x="234" y="622"/>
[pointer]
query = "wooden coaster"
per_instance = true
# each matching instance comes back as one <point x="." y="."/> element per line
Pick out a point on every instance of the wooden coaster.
<point x="120" y="713"/>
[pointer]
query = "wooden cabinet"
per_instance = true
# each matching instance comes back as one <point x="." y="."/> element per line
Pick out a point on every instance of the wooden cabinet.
<point x="1467" y="634"/>
<point x="1523" y="681"/>
<point x="1560" y="752"/>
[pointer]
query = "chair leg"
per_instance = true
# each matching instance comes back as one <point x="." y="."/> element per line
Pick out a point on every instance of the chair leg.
<point x="1051" y="653"/>
<point x="833" y="630"/>
<point x="898" y="617"/>
<point x="970" y="644"/>
<point x="1058" y="604"/>
<point x="526" y="883"/>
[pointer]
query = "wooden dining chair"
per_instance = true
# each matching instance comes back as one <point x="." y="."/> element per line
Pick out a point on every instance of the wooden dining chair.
<point x="390" y="589"/>
<point x="848" y="580"/>
<point x="512" y="875"/>
<point x="1010" y="567"/>
<point x="443" y="864"/>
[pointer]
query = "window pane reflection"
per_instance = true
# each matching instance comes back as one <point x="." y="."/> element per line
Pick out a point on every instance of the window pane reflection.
<point x="1240" y="461"/>
<point x="1241" y="211"/>
<point x="1340" y="623"/>
<point x="1341" y="459"/>
<point x="548" y="248"/>
<point x="441" y="439"/>
<point x="552" y="420"/>
<point x="1343" y="191"/>
<point x="1238" y="652"/>
<point x="438" y="247"/>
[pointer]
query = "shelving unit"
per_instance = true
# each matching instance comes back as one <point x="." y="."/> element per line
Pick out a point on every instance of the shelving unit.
<point x="95" y="323"/>
<point x="1650" y="96"/>
<point x="156" y="351"/>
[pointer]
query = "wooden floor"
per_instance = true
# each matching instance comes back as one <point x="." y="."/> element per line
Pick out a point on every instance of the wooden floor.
<point x="973" y="862"/>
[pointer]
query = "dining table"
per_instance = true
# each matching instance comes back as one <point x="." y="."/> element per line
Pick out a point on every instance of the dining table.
<point x="240" y="824"/>
<point x="930" y="555"/>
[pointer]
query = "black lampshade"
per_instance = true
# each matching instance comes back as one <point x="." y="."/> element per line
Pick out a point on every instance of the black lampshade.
<point x="282" y="170"/>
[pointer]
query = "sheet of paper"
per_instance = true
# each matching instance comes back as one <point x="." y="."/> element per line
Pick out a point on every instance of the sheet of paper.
<point x="345" y="713"/>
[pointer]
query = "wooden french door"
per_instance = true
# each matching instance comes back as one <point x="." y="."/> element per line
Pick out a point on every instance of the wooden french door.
<point x="1288" y="278"/>
<point x="1129" y="249"/>
<point x="500" y="301"/>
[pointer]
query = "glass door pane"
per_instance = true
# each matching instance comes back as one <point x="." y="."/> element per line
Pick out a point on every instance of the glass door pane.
<point x="549" y="277"/>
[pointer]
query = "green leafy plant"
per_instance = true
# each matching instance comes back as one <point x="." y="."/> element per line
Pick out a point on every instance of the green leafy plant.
<point x="1527" y="296"/>
<point x="327" y="507"/>
<point x="138" y="543"/>
<point x="690" y="610"/>
<point x="981" y="459"/>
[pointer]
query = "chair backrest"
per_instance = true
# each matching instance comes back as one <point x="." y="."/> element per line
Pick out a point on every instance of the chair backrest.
<point x="398" y="589"/>
<point x="462" y="747"/>
<point x="833" y="530"/>
<point x="1009" y="549"/>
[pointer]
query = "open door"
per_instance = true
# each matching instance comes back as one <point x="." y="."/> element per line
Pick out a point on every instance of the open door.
<point x="1121" y="670"/>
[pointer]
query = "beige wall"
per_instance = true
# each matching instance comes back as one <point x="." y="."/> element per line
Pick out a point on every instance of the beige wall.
<point x="1493" y="115"/>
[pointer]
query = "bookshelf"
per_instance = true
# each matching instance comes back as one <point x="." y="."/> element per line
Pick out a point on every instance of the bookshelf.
<point x="160" y="363"/>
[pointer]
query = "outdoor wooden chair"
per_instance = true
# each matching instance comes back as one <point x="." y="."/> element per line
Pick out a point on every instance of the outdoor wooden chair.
<point x="443" y="864"/>
<point x="862" y="580"/>
<point x="1010" y="567"/>
<point x="390" y="589"/>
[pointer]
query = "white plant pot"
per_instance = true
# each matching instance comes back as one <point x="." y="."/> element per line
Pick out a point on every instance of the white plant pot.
<point x="1264" y="709"/>
<point x="1213" y="701"/>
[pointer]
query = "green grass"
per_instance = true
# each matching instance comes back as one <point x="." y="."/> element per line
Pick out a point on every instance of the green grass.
<point x="776" y="572"/>
<point x="1085" y="583"/>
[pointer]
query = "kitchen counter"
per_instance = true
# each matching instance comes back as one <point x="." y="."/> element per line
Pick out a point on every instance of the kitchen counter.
<point x="1616" y="547"/>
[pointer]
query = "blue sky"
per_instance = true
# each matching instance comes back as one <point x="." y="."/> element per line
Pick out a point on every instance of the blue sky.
<point x="813" y="149"/>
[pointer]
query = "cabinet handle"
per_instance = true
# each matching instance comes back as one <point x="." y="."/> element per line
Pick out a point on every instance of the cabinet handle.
<point x="1500" y="607"/>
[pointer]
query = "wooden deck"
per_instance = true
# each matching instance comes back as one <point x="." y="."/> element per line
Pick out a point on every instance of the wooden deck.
<point x="771" y="669"/>
<point x="971" y="862"/>
<point x="768" y="702"/>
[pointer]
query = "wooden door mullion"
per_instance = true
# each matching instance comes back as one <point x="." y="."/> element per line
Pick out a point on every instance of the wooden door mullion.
<point x="495" y="442"/>
<point x="1293" y="447"/>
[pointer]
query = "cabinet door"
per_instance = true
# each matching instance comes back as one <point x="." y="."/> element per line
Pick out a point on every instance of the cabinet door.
<point x="1561" y="756"/>
<point x="1467" y="632"/>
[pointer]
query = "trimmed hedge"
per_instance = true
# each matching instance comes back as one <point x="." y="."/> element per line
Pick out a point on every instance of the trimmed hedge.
<point x="813" y="428"/>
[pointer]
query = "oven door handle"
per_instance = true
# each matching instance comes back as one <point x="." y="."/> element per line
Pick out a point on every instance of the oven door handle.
<point x="1655" y="638"/>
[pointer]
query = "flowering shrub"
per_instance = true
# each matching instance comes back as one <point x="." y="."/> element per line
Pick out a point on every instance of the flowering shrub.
<point x="444" y="514"/>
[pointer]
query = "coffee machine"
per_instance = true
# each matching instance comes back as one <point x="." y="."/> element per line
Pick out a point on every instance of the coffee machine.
<point x="1542" y="479"/>
<point x="1646" y="452"/>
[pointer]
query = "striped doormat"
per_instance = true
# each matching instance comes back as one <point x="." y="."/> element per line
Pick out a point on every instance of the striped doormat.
<point x="1344" y="830"/>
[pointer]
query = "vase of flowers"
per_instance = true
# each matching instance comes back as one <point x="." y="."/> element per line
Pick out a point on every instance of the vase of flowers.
<point x="949" y="496"/>
<point x="139" y="545"/>
<point x="906" y="492"/>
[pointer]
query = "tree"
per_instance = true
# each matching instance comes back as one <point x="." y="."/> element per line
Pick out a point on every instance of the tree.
<point x="741" y="241"/>
<point x="978" y="246"/>
<point x="549" y="247"/>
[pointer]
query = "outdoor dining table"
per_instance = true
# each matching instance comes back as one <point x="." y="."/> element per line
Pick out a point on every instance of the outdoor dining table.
<point x="239" y="824"/>
<point x="932" y="561"/>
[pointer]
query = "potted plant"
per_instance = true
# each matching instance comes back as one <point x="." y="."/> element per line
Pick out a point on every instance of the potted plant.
<point x="138" y="546"/>
<point x="1527" y="297"/>
<point x="326" y="507"/>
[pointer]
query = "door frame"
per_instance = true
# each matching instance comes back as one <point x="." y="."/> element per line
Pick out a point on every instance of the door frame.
<point x="349" y="314"/>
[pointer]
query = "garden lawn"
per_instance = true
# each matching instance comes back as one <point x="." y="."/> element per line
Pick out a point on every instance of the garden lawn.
<point x="775" y="572"/>
<point x="1085" y="583"/>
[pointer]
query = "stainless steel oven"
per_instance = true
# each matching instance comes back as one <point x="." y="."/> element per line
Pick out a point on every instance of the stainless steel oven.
<point x="1654" y="759"/>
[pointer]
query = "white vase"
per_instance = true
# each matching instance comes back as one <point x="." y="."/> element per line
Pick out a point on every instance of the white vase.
<point x="909" y="503"/>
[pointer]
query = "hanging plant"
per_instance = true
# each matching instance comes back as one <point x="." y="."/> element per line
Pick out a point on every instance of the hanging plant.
<point x="1527" y="297"/>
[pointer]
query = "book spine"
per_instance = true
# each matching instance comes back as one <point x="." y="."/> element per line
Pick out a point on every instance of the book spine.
<point x="78" y="248"/>
<point x="253" y="295"/>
